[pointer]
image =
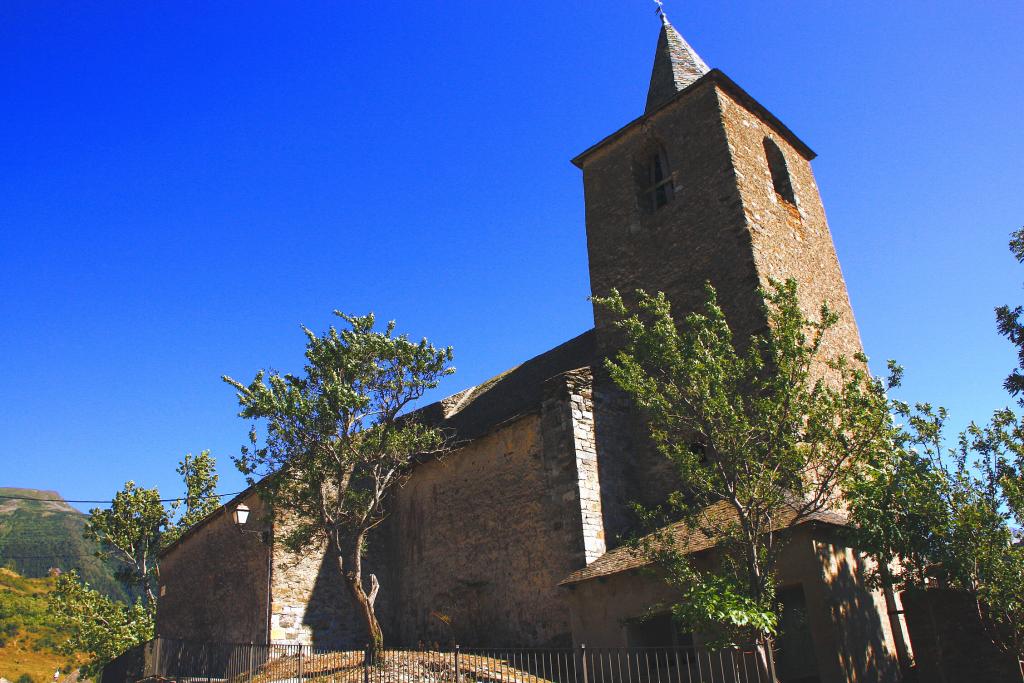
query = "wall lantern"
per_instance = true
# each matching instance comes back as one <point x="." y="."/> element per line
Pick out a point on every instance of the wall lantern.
<point x="241" y="514"/>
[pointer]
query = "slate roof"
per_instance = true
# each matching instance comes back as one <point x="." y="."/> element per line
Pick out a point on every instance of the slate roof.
<point x="676" y="66"/>
<point x="475" y="411"/>
<point x="684" y="540"/>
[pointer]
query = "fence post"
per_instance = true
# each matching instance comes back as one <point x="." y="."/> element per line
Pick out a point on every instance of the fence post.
<point x="583" y="656"/>
<point x="301" y="647"/>
<point x="366" y="664"/>
<point x="457" y="677"/>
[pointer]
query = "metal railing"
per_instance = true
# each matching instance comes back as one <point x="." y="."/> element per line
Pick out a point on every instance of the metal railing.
<point x="198" y="662"/>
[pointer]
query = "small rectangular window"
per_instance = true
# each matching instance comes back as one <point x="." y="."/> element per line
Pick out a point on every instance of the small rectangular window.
<point x="660" y="188"/>
<point x="779" y="171"/>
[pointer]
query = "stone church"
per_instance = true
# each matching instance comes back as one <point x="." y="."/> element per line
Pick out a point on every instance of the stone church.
<point x="514" y="539"/>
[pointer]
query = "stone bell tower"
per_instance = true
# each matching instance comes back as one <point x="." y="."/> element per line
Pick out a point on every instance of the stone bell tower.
<point x="707" y="185"/>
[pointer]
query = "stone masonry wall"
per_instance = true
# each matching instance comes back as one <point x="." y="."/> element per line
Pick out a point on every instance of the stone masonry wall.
<point x="477" y="544"/>
<point x="700" y="236"/>
<point x="852" y="628"/>
<point x="851" y="640"/>
<point x="697" y="237"/>
<point x="725" y="225"/>
<point x="950" y="643"/>
<point x="789" y="240"/>
<point x="588" y="484"/>
<point x="213" y="585"/>
<point x="311" y="602"/>
<point x="570" y="457"/>
<point x="631" y="469"/>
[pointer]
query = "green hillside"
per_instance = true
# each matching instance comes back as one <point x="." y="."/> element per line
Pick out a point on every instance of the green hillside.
<point x="27" y="641"/>
<point x="38" y="535"/>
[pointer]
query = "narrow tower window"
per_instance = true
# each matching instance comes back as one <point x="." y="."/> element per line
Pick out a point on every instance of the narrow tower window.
<point x="779" y="170"/>
<point x="658" y="188"/>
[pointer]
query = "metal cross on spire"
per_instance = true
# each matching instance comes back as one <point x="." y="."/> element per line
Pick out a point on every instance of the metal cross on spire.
<point x="659" y="9"/>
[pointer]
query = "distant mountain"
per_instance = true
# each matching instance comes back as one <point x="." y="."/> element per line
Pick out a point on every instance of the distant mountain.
<point x="37" y="535"/>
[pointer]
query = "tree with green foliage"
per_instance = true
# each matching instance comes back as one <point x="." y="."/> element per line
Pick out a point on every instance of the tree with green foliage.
<point x="1010" y="325"/>
<point x="992" y="528"/>
<point x="763" y="432"/>
<point x="95" y="625"/>
<point x="199" y="474"/>
<point x="933" y="512"/>
<point x="131" y="533"/>
<point x="137" y="525"/>
<point x="336" y="442"/>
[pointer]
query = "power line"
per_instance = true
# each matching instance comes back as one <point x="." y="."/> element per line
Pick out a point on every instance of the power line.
<point x="107" y="502"/>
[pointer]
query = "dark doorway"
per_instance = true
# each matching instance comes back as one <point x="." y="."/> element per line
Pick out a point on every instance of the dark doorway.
<point x="796" y="662"/>
<point x="657" y="630"/>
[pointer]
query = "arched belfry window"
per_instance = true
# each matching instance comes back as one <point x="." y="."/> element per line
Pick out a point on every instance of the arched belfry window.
<point x="779" y="170"/>
<point x="657" y="187"/>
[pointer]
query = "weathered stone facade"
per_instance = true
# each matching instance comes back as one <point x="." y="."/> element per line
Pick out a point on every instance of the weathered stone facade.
<point x="491" y="528"/>
<point x="706" y="186"/>
<point x="569" y="428"/>
<point x="499" y="522"/>
<point x="725" y="223"/>
<point x="214" y="581"/>
<point x="475" y="544"/>
<point x="311" y="603"/>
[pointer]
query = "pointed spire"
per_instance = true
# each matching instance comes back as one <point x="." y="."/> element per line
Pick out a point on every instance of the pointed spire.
<point x="676" y="65"/>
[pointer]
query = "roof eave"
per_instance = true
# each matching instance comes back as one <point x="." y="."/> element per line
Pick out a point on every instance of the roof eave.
<point x="573" y="578"/>
<point x="717" y="77"/>
<point x="206" y="520"/>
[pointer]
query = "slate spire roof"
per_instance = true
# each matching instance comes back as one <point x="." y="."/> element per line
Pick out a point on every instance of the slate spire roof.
<point x="676" y="65"/>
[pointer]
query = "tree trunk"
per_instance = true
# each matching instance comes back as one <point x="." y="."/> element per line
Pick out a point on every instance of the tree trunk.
<point x="353" y="574"/>
<point x="906" y="662"/>
<point x="763" y="644"/>
<point x="766" y="658"/>
<point x="376" y="635"/>
<point x="149" y="596"/>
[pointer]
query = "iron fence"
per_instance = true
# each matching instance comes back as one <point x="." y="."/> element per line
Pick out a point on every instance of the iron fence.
<point x="191" y="662"/>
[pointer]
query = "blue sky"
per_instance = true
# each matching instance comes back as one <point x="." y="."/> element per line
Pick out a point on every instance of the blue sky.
<point x="183" y="183"/>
